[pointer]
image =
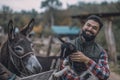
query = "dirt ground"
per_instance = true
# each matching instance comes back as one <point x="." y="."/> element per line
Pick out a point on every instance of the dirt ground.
<point x="114" y="76"/>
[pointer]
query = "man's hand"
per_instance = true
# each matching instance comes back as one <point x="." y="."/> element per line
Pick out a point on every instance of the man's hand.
<point x="79" y="57"/>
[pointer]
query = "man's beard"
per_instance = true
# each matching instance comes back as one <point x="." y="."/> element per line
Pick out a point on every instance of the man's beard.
<point x="87" y="37"/>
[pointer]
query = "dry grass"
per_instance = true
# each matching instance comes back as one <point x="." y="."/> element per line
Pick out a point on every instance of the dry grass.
<point x="115" y="68"/>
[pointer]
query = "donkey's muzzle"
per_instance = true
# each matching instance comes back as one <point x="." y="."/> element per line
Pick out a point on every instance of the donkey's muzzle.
<point x="33" y="65"/>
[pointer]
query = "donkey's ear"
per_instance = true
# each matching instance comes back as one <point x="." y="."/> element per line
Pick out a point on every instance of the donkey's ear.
<point x="61" y="39"/>
<point x="27" y="29"/>
<point x="11" y="30"/>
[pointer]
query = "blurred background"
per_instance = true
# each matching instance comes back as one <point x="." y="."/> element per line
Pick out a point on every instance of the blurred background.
<point x="63" y="18"/>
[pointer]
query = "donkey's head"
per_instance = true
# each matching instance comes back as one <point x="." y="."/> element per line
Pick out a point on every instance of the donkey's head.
<point x="21" y="51"/>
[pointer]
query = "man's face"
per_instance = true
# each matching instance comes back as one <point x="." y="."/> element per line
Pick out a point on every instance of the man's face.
<point x="90" y="30"/>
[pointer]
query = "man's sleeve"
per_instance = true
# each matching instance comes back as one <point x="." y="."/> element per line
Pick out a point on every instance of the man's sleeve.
<point x="68" y="75"/>
<point x="100" y="70"/>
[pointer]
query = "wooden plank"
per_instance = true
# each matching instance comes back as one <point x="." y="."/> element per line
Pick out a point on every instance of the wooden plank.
<point x="102" y="15"/>
<point x="40" y="76"/>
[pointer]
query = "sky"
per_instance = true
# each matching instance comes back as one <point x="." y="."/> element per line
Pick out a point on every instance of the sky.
<point x="18" y="5"/>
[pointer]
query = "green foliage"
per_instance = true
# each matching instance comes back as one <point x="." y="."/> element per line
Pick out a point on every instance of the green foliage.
<point x="51" y="8"/>
<point x="101" y="39"/>
<point x="46" y="32"/>
<point x="104" y="7"/>
<point x="51" y="3"/>
<point x="63" y="17"/>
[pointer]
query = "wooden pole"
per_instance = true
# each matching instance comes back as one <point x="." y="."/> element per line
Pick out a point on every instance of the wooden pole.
<point x="110" y="40"/>
<point x="49" y="45"/>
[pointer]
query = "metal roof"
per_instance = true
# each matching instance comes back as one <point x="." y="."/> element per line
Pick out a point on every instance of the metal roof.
<point x="62" y="30"/>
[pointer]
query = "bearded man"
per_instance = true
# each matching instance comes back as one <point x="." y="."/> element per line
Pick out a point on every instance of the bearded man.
<point x="90" y="56"/>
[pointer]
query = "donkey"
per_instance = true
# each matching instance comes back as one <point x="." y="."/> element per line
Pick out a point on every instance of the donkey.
<point x="17" y="54"/>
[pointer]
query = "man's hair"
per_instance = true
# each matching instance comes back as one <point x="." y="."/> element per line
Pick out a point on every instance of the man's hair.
<point x="97" y="19"/>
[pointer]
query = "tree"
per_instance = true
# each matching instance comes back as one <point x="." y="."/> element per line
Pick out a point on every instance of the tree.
<point x="6" y="15"/>
<point x="51" y="6"/>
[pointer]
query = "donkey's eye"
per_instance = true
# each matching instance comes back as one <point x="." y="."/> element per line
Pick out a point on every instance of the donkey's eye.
<point x="18" y="48"/>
